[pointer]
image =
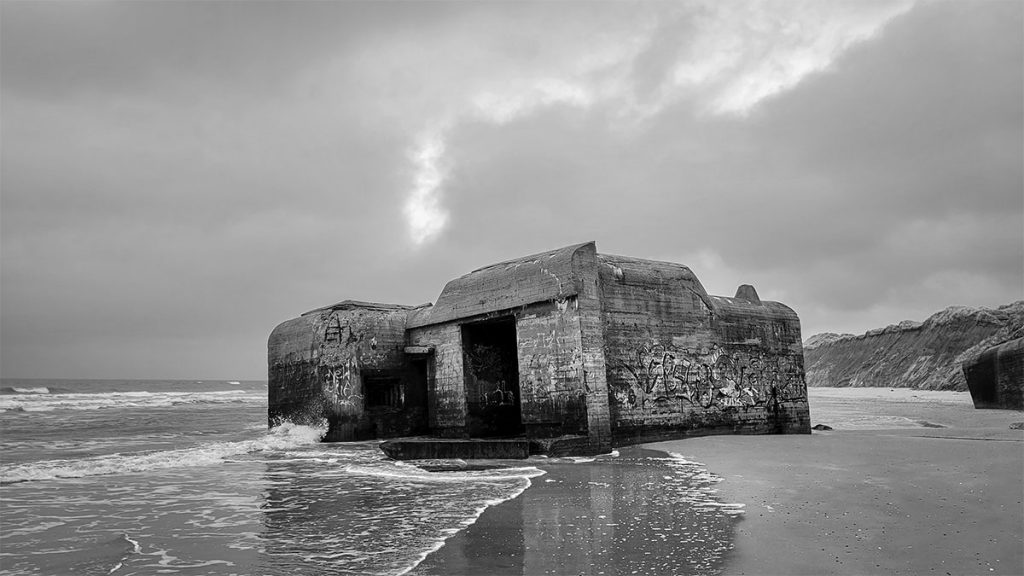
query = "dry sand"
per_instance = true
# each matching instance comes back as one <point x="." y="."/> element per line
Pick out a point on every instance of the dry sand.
<point x="907" y="483"/>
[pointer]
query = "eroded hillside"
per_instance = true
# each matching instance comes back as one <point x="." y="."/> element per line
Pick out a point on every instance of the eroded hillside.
<point x="925" y="355"/>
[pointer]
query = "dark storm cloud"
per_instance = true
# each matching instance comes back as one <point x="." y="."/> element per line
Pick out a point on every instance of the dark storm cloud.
<point x="157" y="157"/>
<point x="179" y="177"/>
<point x="52" y="48"/>
<point x="866" y="189"/>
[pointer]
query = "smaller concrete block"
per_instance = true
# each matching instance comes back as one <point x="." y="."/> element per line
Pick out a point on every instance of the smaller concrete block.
<point x="468" y="449"/>
<point x="570" y="445"/>
<point x="996" y="377"/>
<point x="418" y="349"/>
<point x="747" y="292"/>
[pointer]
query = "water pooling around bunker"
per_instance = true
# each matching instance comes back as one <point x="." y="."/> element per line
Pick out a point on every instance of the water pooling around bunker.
<point x="637" y="511"/>
<point x="299" y="509"/>
<point x="183" y="478"/>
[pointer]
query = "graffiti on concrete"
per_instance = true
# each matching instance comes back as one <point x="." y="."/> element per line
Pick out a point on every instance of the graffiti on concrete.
<point x="707" y="377"/>
<point x="489" y="365"/>
<point x="339" y="364"/>
<point x="342" y="384"/>
<point x="499" y="396"/>
<point x="337" y="333"/>
<point x="545" y="371"/>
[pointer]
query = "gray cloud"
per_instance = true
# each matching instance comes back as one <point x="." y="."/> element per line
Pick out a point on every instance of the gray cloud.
<point x="179" y="177"/>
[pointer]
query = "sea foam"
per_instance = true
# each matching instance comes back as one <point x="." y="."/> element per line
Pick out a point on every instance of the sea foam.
<point x="402" y="471"/>
<point x="284" y="437"/>
<point x="40" y="400"/>
<point x="699" y="489"/>
<point x="23" y="390"/>
<point x="463" y="524"/>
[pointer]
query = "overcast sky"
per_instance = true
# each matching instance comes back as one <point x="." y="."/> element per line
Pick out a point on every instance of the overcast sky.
<point x="178" y="178"/>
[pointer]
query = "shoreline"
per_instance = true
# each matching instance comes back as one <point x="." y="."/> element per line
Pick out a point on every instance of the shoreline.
<point x="939" y="493"/>
<point x="612" y="515"/>
<point x="896" y="502"/>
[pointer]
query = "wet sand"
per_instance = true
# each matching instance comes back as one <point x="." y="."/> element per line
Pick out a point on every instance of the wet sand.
<point x="906" y="483"/>
<point x="941" y="498"/>
<point x="640" y="512"/>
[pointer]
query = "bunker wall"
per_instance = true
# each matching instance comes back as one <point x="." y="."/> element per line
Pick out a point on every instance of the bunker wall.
<point x="996" y="377"/>
<point x="346" y="366"/>
<point x="446" y="394"/>
<point x="551" y="369"/>
<point x="680" y="362"/>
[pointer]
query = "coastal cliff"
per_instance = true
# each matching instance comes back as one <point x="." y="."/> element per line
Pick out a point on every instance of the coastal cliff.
<point x="925" y="355"/>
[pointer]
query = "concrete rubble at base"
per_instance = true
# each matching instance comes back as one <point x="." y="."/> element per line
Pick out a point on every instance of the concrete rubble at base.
<point x="570" y="350"/>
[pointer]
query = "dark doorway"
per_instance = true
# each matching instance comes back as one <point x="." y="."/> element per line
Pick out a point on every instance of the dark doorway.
<point x="491" y="366"/>
<point x="417" y="394"/>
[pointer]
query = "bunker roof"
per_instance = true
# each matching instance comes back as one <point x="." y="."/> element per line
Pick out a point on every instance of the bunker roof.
<point x="353" y="304"/>
<point x="510" y="284"/>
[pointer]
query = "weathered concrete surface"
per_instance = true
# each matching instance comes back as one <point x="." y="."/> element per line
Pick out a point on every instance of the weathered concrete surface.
<point x="571" y="350"/>
<point x="684" y="363"/>
<point x="466" y="449"/>
<point x="446" y="394"/>
<point x="996" y="376"/>
<point x="553" y="300"/>
<point x="568" y="445"/>
<point x="319" y="362"/>
<point x="926" y="355"/>
<point x="548" y="276"/>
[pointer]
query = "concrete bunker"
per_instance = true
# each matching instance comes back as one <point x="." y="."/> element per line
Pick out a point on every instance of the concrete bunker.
<point x="568" y="351"/>
<point x="996" y="376"/>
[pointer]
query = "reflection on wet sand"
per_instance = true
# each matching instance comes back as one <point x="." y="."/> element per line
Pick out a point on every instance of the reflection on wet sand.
<point x="643" y="512"/>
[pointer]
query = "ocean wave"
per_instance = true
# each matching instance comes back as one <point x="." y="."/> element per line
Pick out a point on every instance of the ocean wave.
<point x="699" y="489"/>
<point x="284" y="437"/>
<point x="465" y="523"/>
<point x="23" y="390"/>
<point x="133" y="547"/>
<point x="399" y="470"/>
<point x="49" y="401"/>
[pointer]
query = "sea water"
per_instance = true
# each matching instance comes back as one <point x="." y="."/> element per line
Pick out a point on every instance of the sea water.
<point x="183" y="477"/>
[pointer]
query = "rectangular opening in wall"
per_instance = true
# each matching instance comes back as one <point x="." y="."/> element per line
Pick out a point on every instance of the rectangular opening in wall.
<point x="382" y="392"/>
<point x="491" y="367"/>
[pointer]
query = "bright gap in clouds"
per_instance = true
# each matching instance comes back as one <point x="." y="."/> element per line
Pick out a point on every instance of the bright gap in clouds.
<point x="424" y="214"/>
<point x="423" y="210"/>
<point x="724" y="60"/>
<point x="767" y="53"/>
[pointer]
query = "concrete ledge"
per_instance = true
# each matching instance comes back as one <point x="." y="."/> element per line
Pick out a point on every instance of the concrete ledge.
<point x="566" y="446"/>
<point x="466" y="449"/>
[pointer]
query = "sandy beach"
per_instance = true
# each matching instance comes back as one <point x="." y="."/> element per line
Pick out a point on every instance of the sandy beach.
<point x="907" y="482"/>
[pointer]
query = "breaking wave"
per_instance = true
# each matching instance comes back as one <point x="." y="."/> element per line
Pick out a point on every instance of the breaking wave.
<point x="45" y="399"/>
<point x="470" y="520"/>
<point x="399" y="470"/>
<point x="129" y="547"/>
<point x="284" y="437"/>
<point x="17" y="390"/>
